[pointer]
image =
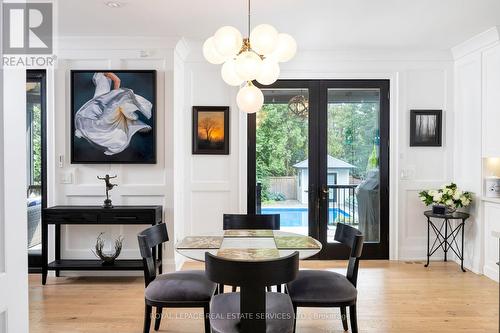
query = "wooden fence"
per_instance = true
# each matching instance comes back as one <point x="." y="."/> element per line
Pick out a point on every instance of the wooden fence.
<point x="285" y="185"/>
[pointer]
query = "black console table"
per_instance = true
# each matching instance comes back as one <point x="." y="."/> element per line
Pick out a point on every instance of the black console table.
<point x="448" y="239"/>
<point x="95" y="215"/>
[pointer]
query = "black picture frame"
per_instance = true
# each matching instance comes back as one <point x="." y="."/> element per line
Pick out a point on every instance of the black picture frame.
<point x="125" y="157"/>
<point x="206" y="148"/>
<point x="431" y="135"/>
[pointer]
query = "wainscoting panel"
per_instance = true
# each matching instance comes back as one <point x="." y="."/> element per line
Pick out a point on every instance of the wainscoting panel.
<point x="137" y="184"/>
<point x="207" y="210"/>
<point x="492" y="222"/>
<point x="3" y="322"/>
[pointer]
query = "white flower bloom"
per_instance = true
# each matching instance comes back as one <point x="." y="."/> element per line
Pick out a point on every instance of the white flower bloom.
<point x="432" y="192"/>
<point x="449" y="202"/>
<point x="437" y="197"/>
<point x="457" y="195"/>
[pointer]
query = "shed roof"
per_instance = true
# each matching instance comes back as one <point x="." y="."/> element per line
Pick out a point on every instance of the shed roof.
<point x="333" y="163"/>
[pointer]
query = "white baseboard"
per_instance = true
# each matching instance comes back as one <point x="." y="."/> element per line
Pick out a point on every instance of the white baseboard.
<point x="491" y="272"/>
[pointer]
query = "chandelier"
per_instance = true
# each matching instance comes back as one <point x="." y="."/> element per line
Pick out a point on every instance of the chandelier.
<point x="299" y="106"/>
<point x="244" y="60"/>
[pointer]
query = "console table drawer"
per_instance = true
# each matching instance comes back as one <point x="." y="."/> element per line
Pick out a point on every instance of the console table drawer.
<point x="126" y="218"/>
<point x="70" y="218"/>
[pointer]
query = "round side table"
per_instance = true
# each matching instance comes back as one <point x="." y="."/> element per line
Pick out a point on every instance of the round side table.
<point x="448" y="239"/>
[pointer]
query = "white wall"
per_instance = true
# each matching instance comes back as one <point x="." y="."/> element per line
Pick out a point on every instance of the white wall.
<point x="476" y="91"/>
<point x="138" y="184"/>
<point x="212" y="184"/>
<point x="468" y="150"/>
<point x="13" y="218"/>
<point x="217" y="184"/>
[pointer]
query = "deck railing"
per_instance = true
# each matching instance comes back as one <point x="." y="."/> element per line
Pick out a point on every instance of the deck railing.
<point x="344" y="203"/>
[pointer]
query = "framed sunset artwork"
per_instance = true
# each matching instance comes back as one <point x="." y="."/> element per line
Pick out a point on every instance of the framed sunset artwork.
<point x="211" y="130"/>
<point x="113" y="116"/>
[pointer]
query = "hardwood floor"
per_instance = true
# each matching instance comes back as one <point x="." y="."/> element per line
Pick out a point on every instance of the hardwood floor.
<point x="393" y="297"/>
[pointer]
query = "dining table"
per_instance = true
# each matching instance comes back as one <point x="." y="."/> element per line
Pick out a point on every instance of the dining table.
<point x="249" y="245"/>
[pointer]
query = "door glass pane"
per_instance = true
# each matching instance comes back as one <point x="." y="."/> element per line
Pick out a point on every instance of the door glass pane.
<point x="353" y="156"/>
<point x="282" y="157"/>
<point x="34" y="165"/>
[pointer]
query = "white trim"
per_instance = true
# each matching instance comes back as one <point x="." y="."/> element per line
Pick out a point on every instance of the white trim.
<point x="476" y="43"/>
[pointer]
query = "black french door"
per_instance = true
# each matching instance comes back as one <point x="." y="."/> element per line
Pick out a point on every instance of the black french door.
<point x="36" y="151"/>
<point x="318" y="155"/>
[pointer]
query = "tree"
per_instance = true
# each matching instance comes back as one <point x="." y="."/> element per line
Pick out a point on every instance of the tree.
<point x="208" y="126"/>
<point x="282" y="141"/>
<point x="353" y="134"/>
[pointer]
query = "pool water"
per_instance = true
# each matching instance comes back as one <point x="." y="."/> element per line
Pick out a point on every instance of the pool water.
<point x="298" y="216"/>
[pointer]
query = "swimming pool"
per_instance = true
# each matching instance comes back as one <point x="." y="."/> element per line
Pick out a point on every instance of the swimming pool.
<point x="298" y="216"/>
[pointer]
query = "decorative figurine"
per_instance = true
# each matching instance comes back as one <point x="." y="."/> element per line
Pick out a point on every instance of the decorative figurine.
<point x="108" y="203"/>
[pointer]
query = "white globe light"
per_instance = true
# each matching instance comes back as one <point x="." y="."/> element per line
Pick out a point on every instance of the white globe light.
<point x="263" y="39"/>
<point x="250" y="99"/>
<point x="228" y="72"/>
<point x="248" y="65"/>
<point x="210" y="53"/>
<point x="269" y="72"/>
<point x="286" y="48"/>
<point x="228" y="41"/>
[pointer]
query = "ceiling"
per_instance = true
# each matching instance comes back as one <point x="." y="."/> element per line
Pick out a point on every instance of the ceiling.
<point x="316" y="24"/>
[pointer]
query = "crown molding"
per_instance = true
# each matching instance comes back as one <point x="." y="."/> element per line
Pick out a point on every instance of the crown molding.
<point x="476" y="43"/>
<point x="114" y="42"/>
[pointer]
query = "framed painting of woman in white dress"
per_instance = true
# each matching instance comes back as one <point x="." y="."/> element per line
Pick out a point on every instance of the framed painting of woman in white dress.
<point x="113" y="115"/>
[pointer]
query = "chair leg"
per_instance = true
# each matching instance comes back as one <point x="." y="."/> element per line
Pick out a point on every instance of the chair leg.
<point x="294" y="318"/>
<point x="343" y="315"/>
<point x="234" y="289"/>
<point x="354" y="318"/>
<point x="206" y="312"/>
<point x="278" y="288"/>
<point x="158" y="318"/>
<point x="221" y="289"/>
<point x="269" y="289"/>
<point x="147" y="318"/>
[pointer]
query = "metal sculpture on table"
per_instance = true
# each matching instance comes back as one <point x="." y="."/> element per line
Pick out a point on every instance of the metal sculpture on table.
<point x="107" y="258"/>
<point x="108" y="203"/>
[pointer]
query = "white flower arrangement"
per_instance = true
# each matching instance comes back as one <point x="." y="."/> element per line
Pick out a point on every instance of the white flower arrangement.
<point x="448" y="195"/>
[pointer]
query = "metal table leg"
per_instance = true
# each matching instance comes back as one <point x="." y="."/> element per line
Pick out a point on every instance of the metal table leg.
<point x="428" y="241"/>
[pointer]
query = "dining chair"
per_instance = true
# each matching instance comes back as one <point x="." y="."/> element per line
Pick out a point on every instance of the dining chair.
<point x="251" y="221"/>
<point x="183" y="289"/>
<point x="317" y="288"/>
<point x="252" y="310"/>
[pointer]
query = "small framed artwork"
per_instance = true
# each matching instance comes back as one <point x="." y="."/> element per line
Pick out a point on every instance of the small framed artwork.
<point x="113" y="116"/>
<point x="426" y="128"/>
<point x="211" y="130"/>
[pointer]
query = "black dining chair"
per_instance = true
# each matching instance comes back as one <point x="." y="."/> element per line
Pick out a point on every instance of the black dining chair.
<point x="183" y="289"/>
<point x="251" y="221"/>
<point x="317" y="288"/>
<point x="252" y="310"/>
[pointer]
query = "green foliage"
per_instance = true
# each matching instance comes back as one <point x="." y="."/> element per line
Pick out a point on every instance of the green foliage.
<point x="353" y="135"/>
<point x="282" y="140"/>
<point x="276" y="196"/>
<point x="36" y="127"/>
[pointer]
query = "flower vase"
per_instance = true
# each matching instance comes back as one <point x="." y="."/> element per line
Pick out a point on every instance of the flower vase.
<point x="450" y="210"/>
